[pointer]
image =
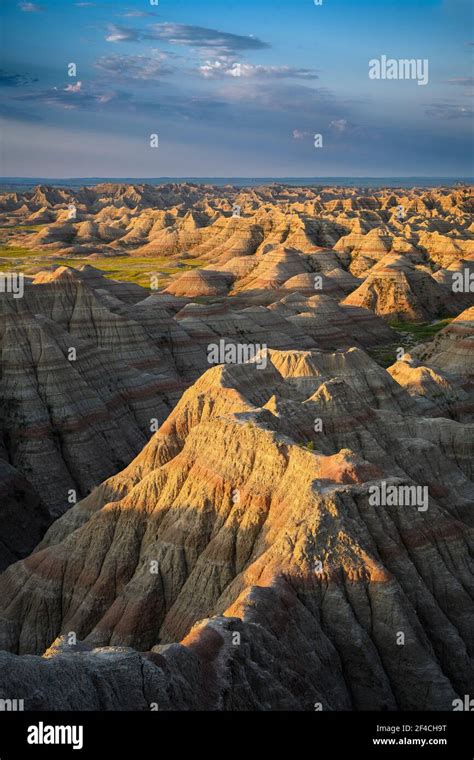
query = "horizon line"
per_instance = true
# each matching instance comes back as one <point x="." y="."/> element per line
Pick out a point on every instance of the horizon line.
<point x="327" y="176"/>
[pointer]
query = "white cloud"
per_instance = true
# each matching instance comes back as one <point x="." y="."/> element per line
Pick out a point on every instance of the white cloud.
<point x="207" y="41"/>
<point x="137" y="67"/>
<point x="73" y="87"/>
<point x="299" y="134"/>
<point x="224" y="66"/>
<point x="30" y="7"/>
<point x="339" y="125"/>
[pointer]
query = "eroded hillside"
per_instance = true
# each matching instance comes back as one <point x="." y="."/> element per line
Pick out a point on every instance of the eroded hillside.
<point x="232" y="545"/>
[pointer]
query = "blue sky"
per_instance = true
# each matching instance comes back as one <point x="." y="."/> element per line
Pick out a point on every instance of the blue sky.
<point x="234" y="88"/>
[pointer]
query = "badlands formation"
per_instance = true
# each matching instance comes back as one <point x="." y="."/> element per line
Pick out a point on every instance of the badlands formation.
<point x="177" y="535"/>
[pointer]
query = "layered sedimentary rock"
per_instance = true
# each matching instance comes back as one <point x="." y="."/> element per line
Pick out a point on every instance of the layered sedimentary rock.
<point x="80" y="388"/>
<point x="89" y="365"/>
<point x="228" y="512"/>
<point x="24" y="518"/>
<point x="395" y="288"/>
<point x="452" y="348"/>
<point x="233" y="546"/>
<point x="441" y="371"/>
<point x="257" y="240"/>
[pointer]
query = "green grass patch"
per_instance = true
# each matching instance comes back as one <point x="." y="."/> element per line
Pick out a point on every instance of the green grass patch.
<point x="34" y="227"/>
<point x="421" y="331"/>
<point x="15" y="250"/>
<point x="410" y="335"/>
<point x="136" y="269"/>
<point x="385" y="356"/>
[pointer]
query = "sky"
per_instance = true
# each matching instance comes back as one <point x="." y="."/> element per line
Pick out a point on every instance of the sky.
<point x="234" y="89"/>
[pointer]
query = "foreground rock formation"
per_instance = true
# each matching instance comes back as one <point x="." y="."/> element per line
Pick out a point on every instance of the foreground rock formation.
<point x="228" y="512"/>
